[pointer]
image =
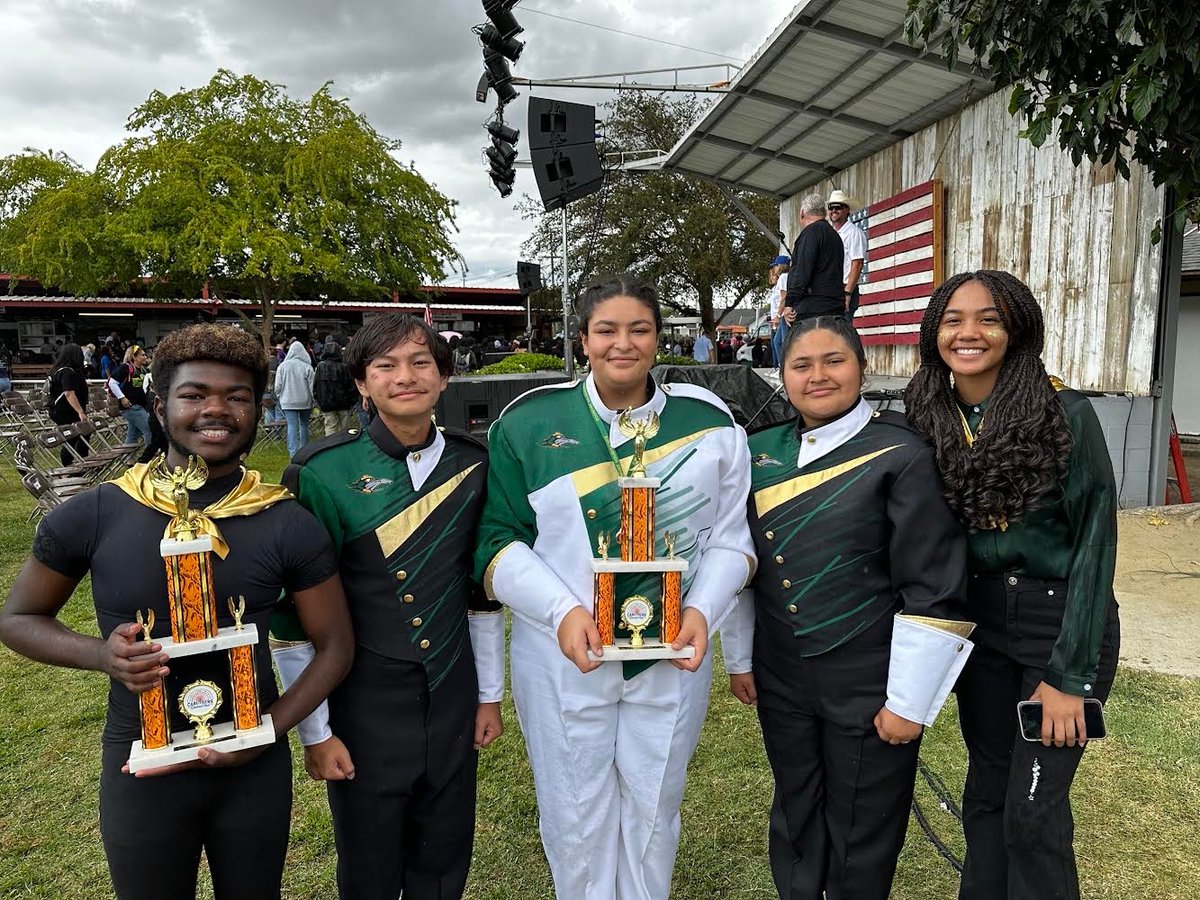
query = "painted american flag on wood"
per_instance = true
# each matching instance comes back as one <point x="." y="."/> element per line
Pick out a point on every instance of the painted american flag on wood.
<point x="904" y="263"/>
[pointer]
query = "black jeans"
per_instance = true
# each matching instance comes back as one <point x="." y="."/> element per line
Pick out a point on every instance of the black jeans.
<point x="1016" y="803"/>
<point x="154" y="828"/>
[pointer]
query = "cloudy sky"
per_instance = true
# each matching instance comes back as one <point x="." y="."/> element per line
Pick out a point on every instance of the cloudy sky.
<point x="74" y="69"/>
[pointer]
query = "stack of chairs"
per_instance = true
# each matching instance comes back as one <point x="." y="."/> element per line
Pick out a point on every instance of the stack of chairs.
<point x="37" y="445"/>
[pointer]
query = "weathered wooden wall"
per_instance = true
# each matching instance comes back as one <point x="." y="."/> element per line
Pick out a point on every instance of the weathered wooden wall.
<point x="1079" y="236"/>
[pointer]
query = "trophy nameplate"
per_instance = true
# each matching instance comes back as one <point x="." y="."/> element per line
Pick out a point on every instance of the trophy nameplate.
<point x="636" y="540"/>
<point x="192" y="605"/>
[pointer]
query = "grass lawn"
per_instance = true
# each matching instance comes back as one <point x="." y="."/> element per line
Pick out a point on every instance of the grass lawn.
<point x="1137" y="802"/>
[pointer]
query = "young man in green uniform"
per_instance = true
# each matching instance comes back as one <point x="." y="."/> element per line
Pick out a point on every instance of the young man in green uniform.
<point x="398" y="742"/>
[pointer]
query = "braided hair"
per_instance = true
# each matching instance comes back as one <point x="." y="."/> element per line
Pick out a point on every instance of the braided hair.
<point x="1020" y="457"/>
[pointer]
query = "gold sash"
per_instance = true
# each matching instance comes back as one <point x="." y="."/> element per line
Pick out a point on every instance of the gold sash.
<point x="250" y="496"/>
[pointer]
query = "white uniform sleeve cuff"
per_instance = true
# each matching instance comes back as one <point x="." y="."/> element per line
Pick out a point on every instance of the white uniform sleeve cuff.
<point x="737" y="636"/>
<point x="927" y="657"/>
<point x="720" y="574"/>
<point x="521" y="580"/>
<point x="487" y="642"/>
<point x="291" y="661"/>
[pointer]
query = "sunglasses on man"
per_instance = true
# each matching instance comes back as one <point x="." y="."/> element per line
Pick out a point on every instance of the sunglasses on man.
<point x="832" y="206"/>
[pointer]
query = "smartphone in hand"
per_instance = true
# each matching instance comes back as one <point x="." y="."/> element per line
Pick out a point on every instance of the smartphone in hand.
<point x="1029" y="719"/>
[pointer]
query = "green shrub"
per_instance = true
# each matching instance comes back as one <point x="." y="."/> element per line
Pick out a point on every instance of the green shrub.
<point x="522" y="364"/>
<point x="670" y="359"/>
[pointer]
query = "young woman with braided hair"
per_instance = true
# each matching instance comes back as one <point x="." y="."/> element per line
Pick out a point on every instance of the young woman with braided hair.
<point x="1026" y="469"/>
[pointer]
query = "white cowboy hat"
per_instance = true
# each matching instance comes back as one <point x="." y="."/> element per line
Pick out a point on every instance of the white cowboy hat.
<point x="841" y="197"/>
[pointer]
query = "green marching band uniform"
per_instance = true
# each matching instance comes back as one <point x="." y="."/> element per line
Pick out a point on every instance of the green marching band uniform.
<point x="403" y="522"/>
<point x="1041" y="589"/>
<point x="857" y="603"/>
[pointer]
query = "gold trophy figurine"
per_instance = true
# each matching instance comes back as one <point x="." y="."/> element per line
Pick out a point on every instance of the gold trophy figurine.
<point x="147" y="624"/>
<point x="237" y="610"/>
<point x="641" y="430"/>
<point x="669" y="542"/>
<point x="178" y="482"/>
<point x="602" y="540"/>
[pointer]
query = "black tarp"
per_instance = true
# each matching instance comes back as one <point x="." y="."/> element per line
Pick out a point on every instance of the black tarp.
<point x="753" y="401"/>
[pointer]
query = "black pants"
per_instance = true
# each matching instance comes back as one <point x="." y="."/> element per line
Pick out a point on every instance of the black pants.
<point x="855" y="296"/>
<point x="154" y="828"/>
<point x="1016" y="803"/>
<point x="842" y="795"/>
<point x="79" y="443"/>
<point x="158" y="437"/>
<point x="407" y="820"/>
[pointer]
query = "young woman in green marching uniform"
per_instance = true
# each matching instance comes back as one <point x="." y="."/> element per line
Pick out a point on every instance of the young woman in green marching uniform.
<point x="609" y="742"/>
<point x="853" y="636"/>
<point x="1027" y="472"/>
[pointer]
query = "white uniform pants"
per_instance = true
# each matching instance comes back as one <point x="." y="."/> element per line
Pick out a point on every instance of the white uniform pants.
<point x="609" y="761"/>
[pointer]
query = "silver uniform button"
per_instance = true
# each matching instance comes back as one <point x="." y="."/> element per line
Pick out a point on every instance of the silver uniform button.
<point x="1050" y="593"/>
<point x="1087" y="687"/>
<point x="1012" y="579"/>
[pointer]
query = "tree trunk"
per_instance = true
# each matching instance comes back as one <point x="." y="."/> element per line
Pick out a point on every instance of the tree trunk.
<point x="707" y="321"/>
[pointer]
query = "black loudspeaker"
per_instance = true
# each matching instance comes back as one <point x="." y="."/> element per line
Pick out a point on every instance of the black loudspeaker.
<point x="562" y="149"/>
<point x="529" y="277"/>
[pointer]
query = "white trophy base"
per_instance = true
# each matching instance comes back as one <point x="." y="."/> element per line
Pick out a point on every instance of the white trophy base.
<point x="621" y="567"/>
<point x="183" y="746"/>
<point x="622" y="652"/>
<point x="227" y="638"/>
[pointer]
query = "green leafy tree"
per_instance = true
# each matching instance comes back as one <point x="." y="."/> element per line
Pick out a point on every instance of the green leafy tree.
<point x="676" y="232"/>
<point x="236" y="186"/>
<point x="1119" y="79"/>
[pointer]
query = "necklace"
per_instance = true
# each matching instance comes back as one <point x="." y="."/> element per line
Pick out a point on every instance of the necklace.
<point x="967" y="428"/>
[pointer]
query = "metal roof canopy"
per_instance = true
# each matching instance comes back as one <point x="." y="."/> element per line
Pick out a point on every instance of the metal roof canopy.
<point x="834" y="84"/>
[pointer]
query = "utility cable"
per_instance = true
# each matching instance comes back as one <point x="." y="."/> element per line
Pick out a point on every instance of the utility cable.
<point x="644" y="37"/>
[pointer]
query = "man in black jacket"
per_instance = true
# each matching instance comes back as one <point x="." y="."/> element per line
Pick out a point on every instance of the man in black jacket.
<point x="815" y="285"/>
<point x="334" y="390"/>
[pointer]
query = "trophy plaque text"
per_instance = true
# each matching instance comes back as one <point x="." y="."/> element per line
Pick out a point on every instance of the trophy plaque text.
<point x="192" y="604"/>
<point x="622" y="620"/>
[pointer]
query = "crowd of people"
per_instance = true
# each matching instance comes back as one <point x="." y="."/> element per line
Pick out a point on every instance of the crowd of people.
<point x="858" y="564"/>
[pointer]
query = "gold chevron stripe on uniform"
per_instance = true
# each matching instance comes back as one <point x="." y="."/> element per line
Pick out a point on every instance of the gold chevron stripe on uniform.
<point x="395" y="531"/>
<point x="769" y="498"/>
<point x="593" y="477"/>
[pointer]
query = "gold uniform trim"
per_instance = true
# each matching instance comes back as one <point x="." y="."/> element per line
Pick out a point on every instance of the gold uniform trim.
<point x="769" y="498"/>
<point x="595" y="477"/>
<point x="490" y="572"/>
<point x="949" y="626"/>
<point x="395" y="531"/>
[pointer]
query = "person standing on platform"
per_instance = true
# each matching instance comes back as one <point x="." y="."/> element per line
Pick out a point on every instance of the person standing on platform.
<point x="334" y="391"/>
<point x="234" y="807"/>
<point x="815" y="284"/>
<point x="609" y="742"/>
<point x="777" y="280"/>
<point x="1027" y="472"/>
<point x="852" y="641"/>
<point x="397" y="745"/>
<point x="294" y="394"/>
<point x="854" y="243"/>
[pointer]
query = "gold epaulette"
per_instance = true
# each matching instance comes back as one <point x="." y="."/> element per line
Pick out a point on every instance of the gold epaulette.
<point x="1058" y="384"/>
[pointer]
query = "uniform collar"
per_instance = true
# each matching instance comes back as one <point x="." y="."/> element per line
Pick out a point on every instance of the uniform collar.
<point x="658" y="400"/>
<point x="421" y="459"/>
<point x="818" y="442"/>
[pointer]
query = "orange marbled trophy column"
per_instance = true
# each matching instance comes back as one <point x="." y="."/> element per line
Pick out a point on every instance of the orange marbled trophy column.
<point x="672" y="601"/>
<point x="244" y="680"/>
<point x="190" y="588"/>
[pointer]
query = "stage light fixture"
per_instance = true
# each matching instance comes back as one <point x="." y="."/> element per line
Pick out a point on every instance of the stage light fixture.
<point x="508" y="47"/>
<point x="501" y="154"/>
<point x="497" y="129"/>
<point x="500" y="12"/>
<point x="505" y="92"/>
<point x="497" y="68"/>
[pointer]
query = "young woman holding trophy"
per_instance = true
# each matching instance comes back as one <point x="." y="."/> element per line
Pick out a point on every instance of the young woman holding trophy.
<point x="610" y="731"/>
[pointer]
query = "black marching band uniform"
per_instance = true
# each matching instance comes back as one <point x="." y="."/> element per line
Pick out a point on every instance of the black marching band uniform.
<point x="856" y="602"/>
<point x="403" y="522"/>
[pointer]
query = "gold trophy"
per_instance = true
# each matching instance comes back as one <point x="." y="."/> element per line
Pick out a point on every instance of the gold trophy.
<point x="636" y="539"/>
<point x="191" y="598"/>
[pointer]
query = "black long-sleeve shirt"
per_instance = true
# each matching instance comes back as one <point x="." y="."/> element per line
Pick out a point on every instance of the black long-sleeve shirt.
<point x="815" y="286"/>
